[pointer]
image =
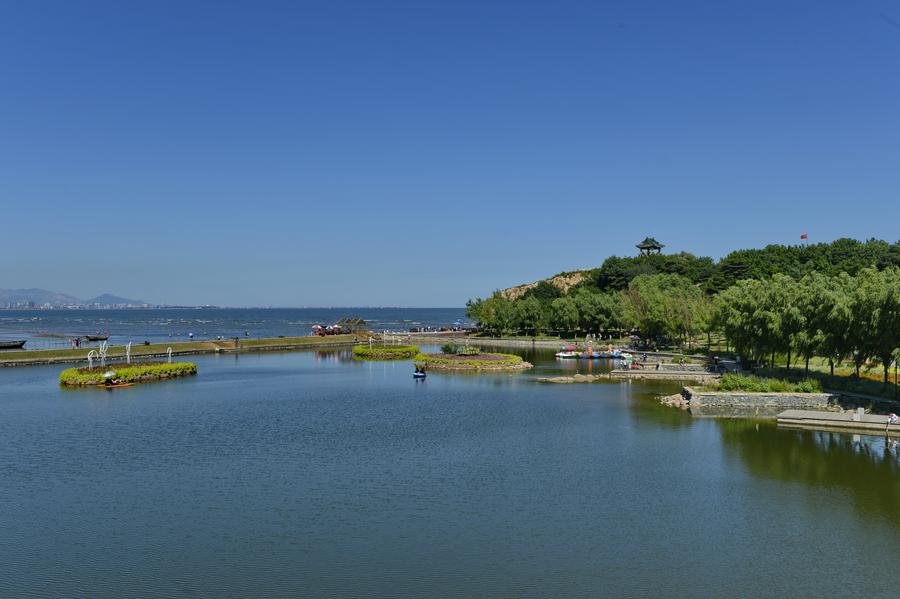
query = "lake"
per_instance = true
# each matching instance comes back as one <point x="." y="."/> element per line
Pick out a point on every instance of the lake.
<point x="309" y="474"/>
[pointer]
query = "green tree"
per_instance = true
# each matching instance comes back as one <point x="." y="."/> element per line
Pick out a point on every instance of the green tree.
<point x="564" y="314"/>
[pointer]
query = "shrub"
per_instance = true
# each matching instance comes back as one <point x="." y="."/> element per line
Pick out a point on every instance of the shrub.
<point x="755" y="384"/>
<point x="385" y="352"/>
<point x="460" y="350"/>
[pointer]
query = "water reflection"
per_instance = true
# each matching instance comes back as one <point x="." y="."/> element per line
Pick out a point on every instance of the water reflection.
<point x="865" y="467"/>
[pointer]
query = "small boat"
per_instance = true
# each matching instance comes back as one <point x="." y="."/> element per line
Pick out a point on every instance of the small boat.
<point x="568" y="355"/>
<point x="418" y="374"/>
<point x="16" y="344"/>
<point x="96" y="337"/>
<point x="116" y="386"/>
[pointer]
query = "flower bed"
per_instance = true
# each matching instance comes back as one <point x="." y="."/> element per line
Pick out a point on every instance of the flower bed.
<point x="137" y="372"/>
<point x="385" y="352"/>
<point x="480" y="362"/>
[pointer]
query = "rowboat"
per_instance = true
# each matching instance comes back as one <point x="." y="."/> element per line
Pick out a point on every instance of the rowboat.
<point x="96" y="337"/>
<point x="568" y="355"/>
<point x="116" y="386"/>
<point x="16" y="344"/>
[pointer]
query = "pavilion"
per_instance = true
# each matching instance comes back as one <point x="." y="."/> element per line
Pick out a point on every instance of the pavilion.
<point x="649" y="246"/>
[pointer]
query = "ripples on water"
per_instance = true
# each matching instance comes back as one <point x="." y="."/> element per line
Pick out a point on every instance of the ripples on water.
<point x="310" y="474"/>
<point x="176" y="324"/>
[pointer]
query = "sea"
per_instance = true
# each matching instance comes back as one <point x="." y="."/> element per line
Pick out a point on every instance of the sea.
<point x="52" y="329"/>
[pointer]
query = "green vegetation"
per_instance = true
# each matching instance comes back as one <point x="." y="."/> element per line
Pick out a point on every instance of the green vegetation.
<point x="460" y="350"/>
<point x="839" y="301"/>
<point x="385" y="352"/>
<point x="127" y="373"/>
<point x="478" y="362"/>
<point x="757" y="384"/>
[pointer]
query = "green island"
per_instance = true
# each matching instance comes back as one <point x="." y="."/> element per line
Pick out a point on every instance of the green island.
<point x="137" y="372"/>
<point x="385" y="352"/>
<point x="470" y="358"/>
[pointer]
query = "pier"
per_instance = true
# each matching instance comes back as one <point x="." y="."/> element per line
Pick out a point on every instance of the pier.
<point x="851" y="422"/>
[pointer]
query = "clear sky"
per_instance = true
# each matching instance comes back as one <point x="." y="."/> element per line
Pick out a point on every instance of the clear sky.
<point x="421" y="153"/>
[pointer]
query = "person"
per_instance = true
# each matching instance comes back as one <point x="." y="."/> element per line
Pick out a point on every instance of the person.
<point x="892" y="419"/>
<point x="191" y="336"/>
<point x="246" y="333"/>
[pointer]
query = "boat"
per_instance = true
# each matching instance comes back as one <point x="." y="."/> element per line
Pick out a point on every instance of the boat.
<point x="569" y="355"/>
<point x="418" y="375"/>
<point x="116" y="386"/>
<point x="15" y="344"/>
<point x="96" y="337"/>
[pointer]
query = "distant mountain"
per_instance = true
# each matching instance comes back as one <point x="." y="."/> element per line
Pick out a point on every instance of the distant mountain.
<point x="38" y="296"/>
<point x="114" y="300"/>
<point x="42" y="297"/>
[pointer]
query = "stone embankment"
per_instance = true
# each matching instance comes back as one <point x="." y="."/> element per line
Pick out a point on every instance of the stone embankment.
<point x="745" y="404"/>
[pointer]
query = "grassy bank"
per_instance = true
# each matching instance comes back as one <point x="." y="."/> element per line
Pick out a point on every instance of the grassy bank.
<point x="385" y="352"/>
<point x="127" y="373"/>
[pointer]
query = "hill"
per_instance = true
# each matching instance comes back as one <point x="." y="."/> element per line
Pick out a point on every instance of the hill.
<point x="18" y="298"/>
<point x="616" y="272"/>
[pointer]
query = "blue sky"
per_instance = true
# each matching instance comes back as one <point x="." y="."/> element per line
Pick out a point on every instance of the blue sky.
<point x="421" y="153"/>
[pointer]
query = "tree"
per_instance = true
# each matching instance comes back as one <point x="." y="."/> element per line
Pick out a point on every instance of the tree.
<point x="597" y="312"/>
<point x="877" y="311"/>
<point x="564" y="314"/>
<point x="530" y="315"/>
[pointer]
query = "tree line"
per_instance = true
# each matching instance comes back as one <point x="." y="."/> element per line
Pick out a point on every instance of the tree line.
<point x="843" y="255"/>
<point x="838" y="317"/>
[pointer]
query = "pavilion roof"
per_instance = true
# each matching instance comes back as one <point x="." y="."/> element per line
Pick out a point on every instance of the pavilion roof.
<point x="650" y="243"/>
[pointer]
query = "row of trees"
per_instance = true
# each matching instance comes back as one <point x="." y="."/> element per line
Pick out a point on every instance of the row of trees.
<point x="656" y="306"/>
<point x="837" y="317"/>
<point x="840" y="317"/>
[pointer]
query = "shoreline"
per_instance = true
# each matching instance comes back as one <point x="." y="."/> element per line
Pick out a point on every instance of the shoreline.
<point x="188" y="348"/>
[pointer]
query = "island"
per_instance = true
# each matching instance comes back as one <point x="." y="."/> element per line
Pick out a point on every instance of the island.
<point x="125" y="374"/>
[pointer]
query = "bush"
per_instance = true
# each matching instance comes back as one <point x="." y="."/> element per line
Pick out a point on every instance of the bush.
<point x="460" y="350"/>
<point x="755" y="384"/>
<point x="385" y="352"/>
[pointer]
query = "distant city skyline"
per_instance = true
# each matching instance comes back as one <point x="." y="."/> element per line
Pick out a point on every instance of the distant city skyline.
<point x="421" y="154"/>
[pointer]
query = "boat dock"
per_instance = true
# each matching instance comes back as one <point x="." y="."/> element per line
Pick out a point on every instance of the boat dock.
<point x="851" y="422"/>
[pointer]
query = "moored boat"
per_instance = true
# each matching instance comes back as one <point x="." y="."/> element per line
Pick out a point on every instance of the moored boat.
<point x="96" y="337"/>
<point x="14" y="344"/>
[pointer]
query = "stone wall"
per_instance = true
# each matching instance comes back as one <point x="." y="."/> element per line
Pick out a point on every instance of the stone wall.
<point x="741" y="399"/>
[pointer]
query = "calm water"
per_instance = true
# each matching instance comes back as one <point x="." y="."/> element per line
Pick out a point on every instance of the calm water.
<point x="307" y="474"/>
<point x="43" y="327"/>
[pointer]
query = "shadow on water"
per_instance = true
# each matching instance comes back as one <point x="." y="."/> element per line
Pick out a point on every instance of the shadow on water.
<point x="867" y="468"/>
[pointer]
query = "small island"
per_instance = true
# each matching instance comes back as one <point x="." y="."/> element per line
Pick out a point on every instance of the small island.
<point x="125" y="374"/>
<point x="385" y="352"/>
<point x="470" y="359"/>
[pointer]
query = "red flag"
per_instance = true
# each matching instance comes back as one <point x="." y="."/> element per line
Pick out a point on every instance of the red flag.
<point x="804" y="236"/>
